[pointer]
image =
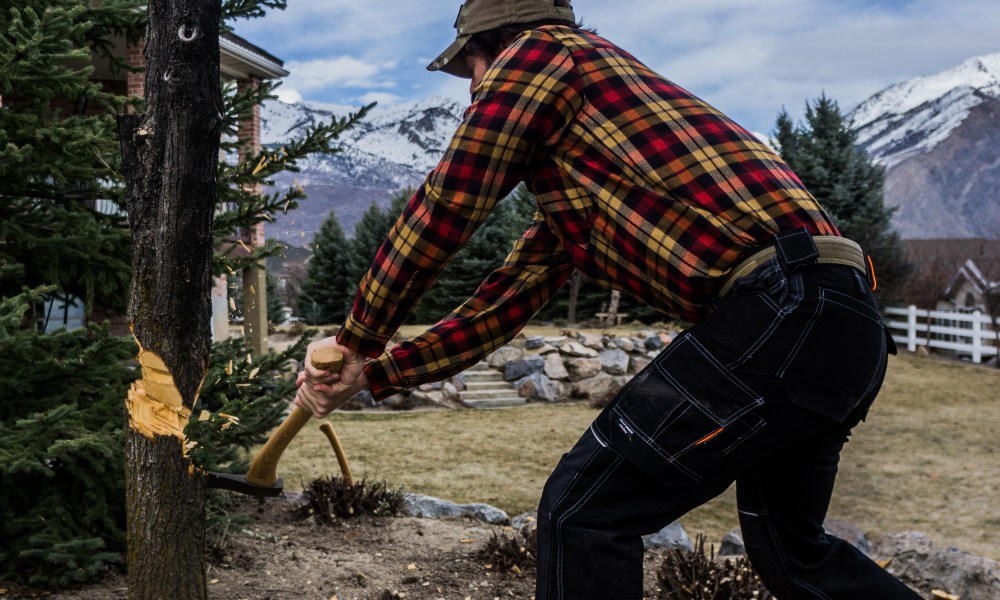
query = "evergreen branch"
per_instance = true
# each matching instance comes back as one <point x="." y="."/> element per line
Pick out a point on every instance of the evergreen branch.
<point x="249" y="9"/>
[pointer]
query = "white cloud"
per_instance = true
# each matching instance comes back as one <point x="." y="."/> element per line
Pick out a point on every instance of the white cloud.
<point x="289" y="95"/>
<point x="323" y="73"/>
<point x="383" y="98"/>
<point x="749" y="58"/>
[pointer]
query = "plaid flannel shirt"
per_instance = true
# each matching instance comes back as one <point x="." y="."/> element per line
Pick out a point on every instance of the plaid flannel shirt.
<point x="641" y="186"/>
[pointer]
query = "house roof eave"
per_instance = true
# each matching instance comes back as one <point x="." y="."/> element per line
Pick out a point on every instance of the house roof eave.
<point x="240" y="58"/>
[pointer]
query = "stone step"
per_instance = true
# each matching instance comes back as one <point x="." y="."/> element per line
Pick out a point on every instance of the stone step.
<point x="495" y="402"/>
<point x="481" y="384"/>
<point x="483" y="376"/>
<point x="486" y="388"/>
<point x="487" y="393"/>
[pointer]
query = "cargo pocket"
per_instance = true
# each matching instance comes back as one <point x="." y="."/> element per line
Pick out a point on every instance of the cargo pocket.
<point x="838" y="358"/>
<point x="684" y="413"/>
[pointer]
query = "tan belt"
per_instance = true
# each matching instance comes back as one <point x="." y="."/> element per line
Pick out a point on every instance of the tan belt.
<point x="832" y="250"/>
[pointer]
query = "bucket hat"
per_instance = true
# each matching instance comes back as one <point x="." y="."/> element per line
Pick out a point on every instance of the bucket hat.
<point x="477" y="16"/>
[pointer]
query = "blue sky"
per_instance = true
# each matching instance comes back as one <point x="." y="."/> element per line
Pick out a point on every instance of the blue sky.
<point x="749" y="58"/>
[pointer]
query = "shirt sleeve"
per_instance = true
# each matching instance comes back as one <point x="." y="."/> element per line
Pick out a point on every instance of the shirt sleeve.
<point x="506" y="300"/>
<point x="520" y="110"/>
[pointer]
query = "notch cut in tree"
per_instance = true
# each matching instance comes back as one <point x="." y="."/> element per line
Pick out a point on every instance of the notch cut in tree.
<point x="170" y="166"/>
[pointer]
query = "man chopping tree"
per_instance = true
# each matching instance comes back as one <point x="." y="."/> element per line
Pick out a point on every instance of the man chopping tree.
<point x="644" y="188"/>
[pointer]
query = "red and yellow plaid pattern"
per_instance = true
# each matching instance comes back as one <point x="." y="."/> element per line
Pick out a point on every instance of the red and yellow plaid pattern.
<point x="641" y="186"/>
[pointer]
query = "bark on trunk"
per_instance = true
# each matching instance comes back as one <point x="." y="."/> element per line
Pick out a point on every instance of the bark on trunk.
<point x="574" y="294"/>
<point x="166" y="531"/>
<point x="616" y="298"/>
<point x="170" y="165"/>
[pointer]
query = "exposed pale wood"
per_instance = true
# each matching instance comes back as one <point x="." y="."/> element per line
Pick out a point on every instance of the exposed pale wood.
<point x="327" y="359"/>
<point x="170" y="157"/>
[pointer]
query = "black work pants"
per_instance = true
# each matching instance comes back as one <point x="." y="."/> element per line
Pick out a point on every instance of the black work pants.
<point x="764" y="392"/>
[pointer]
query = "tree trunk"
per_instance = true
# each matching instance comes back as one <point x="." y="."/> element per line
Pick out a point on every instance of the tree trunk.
<point x="616" y="298"/>
<point x="574" y="294"/>
<point x="170" y="165"/>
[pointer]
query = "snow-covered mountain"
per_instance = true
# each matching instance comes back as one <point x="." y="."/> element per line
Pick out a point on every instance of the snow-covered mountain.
<point x="938" y="136"/>
<point x="939" y="139"/>
<point x="391" y="149"/>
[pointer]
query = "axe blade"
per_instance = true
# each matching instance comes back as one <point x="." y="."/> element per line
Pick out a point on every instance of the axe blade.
<point x="239" y="483"/>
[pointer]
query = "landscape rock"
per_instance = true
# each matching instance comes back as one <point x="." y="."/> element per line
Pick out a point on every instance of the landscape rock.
<point x="517" y="369"/>
<point x="555" y="368"/>
<point x="502" y="356"/>
<point x="598" y="386"/>
<point x="591" y="340"/>
<point x="732" y="544"/>
<point x="534" y="343"/>
<point x="850" y="533"/>
<point x="614" y="361"/>
<point x="414" y="399"/>
<point x="653" y="342"/>
<point x="582" y="368"/>
<point x="450" y="393"/>
<point x="919" y="563"/>
<point x="359" y="401"/>
<point x="429" y="507"/>
<point x="526" y="524"/>
<point x="623" y="343"/>
<point x="671" y="536"/>
<point x="638" y="363"/>
<point x="577" y="349"/>
<point x="537" y="387"/>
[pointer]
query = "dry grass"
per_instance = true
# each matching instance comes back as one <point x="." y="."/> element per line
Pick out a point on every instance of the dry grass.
<point x="926" y="460"/>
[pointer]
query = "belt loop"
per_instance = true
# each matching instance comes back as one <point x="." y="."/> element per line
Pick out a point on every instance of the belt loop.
<point x="796" y="249"/>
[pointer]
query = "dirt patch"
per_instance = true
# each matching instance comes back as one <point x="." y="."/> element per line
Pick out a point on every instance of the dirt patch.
<point x="279" y="556"/>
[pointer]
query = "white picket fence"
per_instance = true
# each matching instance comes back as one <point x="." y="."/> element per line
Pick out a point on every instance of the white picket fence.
<point x="972" y="335"/>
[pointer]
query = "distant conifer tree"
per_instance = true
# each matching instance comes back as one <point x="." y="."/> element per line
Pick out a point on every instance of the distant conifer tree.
<point x="823" y="152"/>
<point x="324" y="295"/>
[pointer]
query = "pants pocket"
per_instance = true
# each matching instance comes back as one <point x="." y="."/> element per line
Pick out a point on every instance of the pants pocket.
<point x="685" y="413"/>
<point x="836" y="362"/>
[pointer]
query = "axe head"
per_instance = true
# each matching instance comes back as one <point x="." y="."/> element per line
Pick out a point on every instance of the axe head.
<point x="239" y="483"/>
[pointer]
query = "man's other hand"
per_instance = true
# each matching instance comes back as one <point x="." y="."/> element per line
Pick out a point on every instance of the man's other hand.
<point x="321" y="392"/>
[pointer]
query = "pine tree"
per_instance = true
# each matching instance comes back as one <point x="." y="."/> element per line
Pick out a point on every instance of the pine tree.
<point x="60" y="433"/>
<point x="483" y="253"/>
<point x="274" y="302"/>
<point x="823" y="152"/>
<point x="61" y="426"/>
<point x="57" y="147"/>
<point x="323" y="298"/>
<point x="369" y="234"/>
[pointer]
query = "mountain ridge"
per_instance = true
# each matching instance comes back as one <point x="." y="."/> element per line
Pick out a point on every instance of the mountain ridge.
<point x="938" y="136"/>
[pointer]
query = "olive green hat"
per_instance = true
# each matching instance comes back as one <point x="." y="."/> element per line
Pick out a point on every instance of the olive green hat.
<point x="477" y="16"/>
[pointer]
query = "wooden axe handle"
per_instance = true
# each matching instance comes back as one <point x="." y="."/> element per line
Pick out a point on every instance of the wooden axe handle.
<point x="338" y="450"/>
<point x="264" y="468"/>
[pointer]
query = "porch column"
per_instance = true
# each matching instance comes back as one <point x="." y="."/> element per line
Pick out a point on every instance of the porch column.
<point x="254" y="278"/>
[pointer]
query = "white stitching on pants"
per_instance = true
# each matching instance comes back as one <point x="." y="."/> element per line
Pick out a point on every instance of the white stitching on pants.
<point x="805" y="334"/>
<point x="778" y="549"/>
<point x="583" y="499"/>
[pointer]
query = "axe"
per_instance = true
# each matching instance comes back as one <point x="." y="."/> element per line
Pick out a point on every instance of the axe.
<point x="262" y="479"/>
